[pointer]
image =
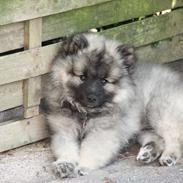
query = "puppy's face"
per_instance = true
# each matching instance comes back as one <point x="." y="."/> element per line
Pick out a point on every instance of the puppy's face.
<point x="92" y="69"/>
<point x="94" y="77"/>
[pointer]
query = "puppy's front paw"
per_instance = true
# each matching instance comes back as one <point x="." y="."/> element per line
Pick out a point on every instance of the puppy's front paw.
<point x="168" y="160"/>
<point x="64" y="169"/>
<point x="148" y="153"/>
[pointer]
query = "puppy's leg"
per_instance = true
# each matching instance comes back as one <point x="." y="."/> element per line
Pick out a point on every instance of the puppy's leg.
<point x="172" y="152"/>
<point x="64" y="145"/>
<point x="65" y="148"/>
<point x="98" y="149"/>
<point x="152" y="146"/>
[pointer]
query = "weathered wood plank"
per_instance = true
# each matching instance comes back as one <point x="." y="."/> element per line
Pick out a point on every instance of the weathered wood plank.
<point x="21" y="10"/>
<point x="11" y="95"/>
<point x="15" y="134"/>
<point x="162" y="51"/>
<point x="31" y="111"/>
<point x="104" y="14"/>
<point x="33" y="33"/>
<point x="11" y="37"/>
<point x="149" y="30"/>
<point x="77" y="21"/>
<point x="22" y="65"/>
<point x="32" y="89"/>
<point x="32" y="86"/>
<point x="31" y="96"/>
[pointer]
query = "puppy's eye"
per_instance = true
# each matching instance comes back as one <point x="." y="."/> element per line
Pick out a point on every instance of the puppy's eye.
<point x="83" y="77"/>
<point x="104" y="81"/>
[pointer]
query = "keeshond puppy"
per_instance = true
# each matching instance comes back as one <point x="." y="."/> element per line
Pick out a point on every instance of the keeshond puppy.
<point x="93" y="104"/>
<point x="99" y="98"/>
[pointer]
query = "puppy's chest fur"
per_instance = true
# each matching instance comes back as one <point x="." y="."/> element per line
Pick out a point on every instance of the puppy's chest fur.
<point x="80" y="117"/>
<point x="68" y="110"/>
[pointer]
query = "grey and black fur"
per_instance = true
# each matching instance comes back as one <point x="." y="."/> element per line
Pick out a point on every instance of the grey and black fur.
<point x="93" y="106"/>
<point x="99" y="99"/>
<point x="161" y="91"/>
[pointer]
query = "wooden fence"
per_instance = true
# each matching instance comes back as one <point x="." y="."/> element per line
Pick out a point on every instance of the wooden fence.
<point x="29" y="28"/>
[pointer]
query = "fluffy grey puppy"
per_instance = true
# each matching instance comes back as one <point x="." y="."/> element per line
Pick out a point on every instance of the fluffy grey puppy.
<point x="161" y="91"/>
<point x="93" y="106"/>
<point x="98" y="100"/>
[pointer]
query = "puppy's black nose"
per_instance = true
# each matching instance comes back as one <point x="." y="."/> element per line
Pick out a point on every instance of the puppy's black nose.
<point x="92" y="98"/>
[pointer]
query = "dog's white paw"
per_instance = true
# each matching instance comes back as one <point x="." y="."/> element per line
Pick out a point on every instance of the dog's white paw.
<point x="148" y="153"/>
<point x="168" y="160"/>
<point x="63" y="169"/>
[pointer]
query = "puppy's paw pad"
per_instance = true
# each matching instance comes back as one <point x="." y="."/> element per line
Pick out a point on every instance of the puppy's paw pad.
<point x="63" y="169"/>
<point x="169" y="160"/>
<point x="147" y="154"/>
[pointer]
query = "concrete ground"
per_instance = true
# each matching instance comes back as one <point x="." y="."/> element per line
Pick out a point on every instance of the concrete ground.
<point x="30" y="164"/>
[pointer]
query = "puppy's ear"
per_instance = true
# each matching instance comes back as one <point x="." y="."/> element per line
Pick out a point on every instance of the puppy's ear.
<point x="71" y="45"/>
<point x="128" y="55"/>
